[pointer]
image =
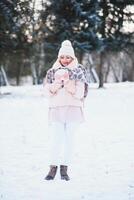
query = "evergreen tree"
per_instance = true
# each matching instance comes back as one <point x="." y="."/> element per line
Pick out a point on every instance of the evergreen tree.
<point x="74" y="20"/>
<point x="89" y="24"/>
<point x="113" y="37"/>
<point x="15" y="19"/>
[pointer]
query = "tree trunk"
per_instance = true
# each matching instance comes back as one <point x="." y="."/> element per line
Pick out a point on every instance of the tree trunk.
<point x="93" y="75"/>
<point x="80" y="56"/>
<point x="41" y="62"/>
<point x="34" y="73"/>
<point x="3" y="74"/>
<point x="18" y="73"/>
<point x="100" y="70"/>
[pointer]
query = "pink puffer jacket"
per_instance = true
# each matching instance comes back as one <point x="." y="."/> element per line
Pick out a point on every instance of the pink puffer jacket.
<point x="63" y="97"/>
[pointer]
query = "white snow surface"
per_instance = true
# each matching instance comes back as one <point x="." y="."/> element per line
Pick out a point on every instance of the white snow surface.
<point x="103" y="159"/>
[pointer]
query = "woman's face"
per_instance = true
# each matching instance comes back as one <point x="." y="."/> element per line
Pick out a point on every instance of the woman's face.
<point x="65" y="60"/>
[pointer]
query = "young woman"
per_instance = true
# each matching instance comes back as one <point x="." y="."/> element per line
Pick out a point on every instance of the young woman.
<point x="65" y="86"/>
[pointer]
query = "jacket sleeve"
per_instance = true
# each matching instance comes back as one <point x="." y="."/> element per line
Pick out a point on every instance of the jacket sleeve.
<point x="46" y="89"/>
<point x="79" y="92"/>
<point x="51" y="89"/>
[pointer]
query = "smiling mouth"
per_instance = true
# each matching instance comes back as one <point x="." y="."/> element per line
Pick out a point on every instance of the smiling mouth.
<point x="65" y="63"/>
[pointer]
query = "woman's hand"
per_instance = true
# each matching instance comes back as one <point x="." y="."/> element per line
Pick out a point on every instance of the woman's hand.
<point x="54" y="87"/>
<point x="70" y="86"/>
<point x="62" y="76"/>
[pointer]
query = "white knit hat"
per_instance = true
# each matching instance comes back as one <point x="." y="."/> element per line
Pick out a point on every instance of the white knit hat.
<point x="66" y="49"/>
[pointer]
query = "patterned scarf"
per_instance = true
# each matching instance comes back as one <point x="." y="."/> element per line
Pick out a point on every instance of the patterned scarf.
<point x="75" y="70"/>
<point x="79" y="74"/>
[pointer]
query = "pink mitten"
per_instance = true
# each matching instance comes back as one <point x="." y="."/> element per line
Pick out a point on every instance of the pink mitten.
<point x="54" y="87"/>
<point x="61" y="76"/>
<point x="70" y="86"/>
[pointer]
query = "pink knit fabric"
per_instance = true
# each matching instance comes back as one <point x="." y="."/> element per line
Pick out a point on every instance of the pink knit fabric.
<point x="66" y="114"/>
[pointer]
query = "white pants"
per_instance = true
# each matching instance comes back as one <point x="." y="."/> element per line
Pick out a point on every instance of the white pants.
<point x="61" y="142"/>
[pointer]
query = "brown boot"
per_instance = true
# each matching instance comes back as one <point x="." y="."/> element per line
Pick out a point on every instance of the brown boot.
<point x="52" y="172"/>
<point x="63" y="173"/>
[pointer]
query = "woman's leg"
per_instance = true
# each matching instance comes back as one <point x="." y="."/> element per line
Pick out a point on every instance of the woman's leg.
<point x="56" y="131"/>
<point x="69" y="136"/>
<point x="69" y="131"/>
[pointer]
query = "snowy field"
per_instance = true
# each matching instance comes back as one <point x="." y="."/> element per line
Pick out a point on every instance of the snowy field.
<point x="103" y="160"/>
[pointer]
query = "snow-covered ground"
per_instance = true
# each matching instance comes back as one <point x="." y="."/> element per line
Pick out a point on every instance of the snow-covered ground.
<point x="103" y="161"/>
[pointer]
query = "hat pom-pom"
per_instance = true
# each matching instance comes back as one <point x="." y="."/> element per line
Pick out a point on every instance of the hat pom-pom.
<point x="66" y="43"/>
